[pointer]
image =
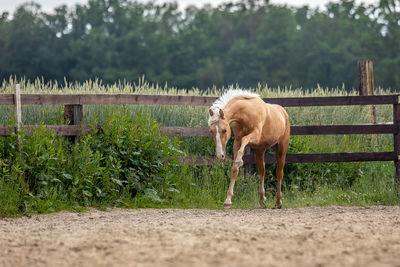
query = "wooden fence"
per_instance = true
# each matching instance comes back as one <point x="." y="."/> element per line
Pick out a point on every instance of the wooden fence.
<point x="73" y="113"/>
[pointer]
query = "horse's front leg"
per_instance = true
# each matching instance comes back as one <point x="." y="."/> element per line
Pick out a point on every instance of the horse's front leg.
<point x="250" y="138"/>
<point x="228" y="200"/>
<point x="234" y="174"/>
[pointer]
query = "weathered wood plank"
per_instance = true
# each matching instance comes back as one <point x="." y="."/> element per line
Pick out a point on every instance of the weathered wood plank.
<point x="147" y="100"/>
<point x="328" y="157"/>
<point x="5" y="130"/>
<point x="37" y="99"/>
<point x="344" y="129"/>
<point x="366" y="75"/>
<point x="6" y="99"/>
<point x="296" y="130"/>
<point x="73" y="114"/>
<point x="333" y="101"/>
<point x="92" y="99"/>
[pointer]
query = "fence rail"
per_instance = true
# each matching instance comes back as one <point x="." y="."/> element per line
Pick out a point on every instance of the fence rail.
<point x="73" y="111"/>
<point x="74" y="130"/>
<point x="102" y="99"/>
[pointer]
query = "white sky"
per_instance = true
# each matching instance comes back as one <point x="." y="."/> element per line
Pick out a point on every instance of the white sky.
<point x="49" y="5"/>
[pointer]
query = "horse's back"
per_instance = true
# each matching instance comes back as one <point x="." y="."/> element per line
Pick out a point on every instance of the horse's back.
<point x="271" y="119"/>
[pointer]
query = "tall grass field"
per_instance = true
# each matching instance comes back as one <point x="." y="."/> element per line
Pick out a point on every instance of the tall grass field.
<point x="125" y="165"/>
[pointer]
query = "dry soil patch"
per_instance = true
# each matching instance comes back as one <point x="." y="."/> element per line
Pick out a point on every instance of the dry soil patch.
<point x="315" y="236"/>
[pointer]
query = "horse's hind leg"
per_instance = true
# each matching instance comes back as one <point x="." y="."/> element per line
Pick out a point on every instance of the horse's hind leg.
<point x="259" y="156"/>
<point x="280" y="151"/>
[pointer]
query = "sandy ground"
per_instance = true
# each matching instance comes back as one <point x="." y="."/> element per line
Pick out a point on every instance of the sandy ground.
<point x="333" y="236"/>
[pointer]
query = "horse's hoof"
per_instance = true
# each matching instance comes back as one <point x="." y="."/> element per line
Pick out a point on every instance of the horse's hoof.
<point x="263" y="204"/>
<point x="227" y="206"/>
<point x="278" y="206"/>
<point x="238" y="163"/>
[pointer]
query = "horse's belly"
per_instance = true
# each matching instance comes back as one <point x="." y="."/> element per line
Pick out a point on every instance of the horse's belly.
<point x="262" y="145"/>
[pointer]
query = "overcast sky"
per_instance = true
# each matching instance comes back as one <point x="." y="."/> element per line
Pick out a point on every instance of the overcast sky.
<point x="48" y="5"/>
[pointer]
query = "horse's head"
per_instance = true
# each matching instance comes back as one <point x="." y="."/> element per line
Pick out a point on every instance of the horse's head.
<point x="220" y="130"/>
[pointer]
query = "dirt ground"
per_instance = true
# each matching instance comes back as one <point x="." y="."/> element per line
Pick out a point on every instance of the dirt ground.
<point x="315" y="236"/>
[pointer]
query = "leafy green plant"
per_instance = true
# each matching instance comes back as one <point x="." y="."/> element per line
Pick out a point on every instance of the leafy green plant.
<point x="133" y="152"/>
<point x="127" y="159"/>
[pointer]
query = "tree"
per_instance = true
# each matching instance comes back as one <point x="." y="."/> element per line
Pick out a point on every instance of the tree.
<point x="242" y="42"/>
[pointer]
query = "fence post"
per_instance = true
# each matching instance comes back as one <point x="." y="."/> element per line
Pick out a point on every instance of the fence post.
<point x="73" y="115"/>
<point x="366" y="73"/>
<point x="366" y="88"/>
<point x="396" y="139"/>
<point x="18" y="113"/>
<point x="246" y="165"/>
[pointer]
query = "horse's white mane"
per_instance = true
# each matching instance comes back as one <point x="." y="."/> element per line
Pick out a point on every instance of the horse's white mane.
<point x="221" y="102"/>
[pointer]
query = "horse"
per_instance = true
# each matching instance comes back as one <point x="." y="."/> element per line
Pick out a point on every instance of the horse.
<point x="254" y="123"/>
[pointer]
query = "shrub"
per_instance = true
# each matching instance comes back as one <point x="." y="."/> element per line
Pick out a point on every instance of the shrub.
<point x="124" y="161"/>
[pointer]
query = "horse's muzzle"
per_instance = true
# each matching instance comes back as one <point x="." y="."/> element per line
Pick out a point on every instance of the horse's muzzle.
<point x="221" y="156"/>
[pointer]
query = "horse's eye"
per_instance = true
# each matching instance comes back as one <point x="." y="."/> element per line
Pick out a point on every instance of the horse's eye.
<point x="224" y="131"/>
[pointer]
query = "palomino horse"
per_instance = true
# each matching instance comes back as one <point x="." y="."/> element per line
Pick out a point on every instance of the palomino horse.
<point x="254" y="123"/>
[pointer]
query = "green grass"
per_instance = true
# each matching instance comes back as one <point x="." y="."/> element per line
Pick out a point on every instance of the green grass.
<point x="205" y="187"/>
<point x="375" y="187"/>
<point x="369" y="183"/>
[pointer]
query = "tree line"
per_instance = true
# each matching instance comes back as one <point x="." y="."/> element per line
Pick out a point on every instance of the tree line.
<point x="245" y="43"/>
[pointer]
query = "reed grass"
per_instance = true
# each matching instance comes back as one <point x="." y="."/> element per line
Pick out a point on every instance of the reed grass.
<point x="205" y="187"/>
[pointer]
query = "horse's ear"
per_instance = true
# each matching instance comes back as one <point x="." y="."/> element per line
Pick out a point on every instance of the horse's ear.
<point x="211" y="112"/>
<point x="221" y="114"/>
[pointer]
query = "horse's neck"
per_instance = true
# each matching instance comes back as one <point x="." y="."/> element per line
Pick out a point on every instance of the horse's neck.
<point x="232" y="112"/>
